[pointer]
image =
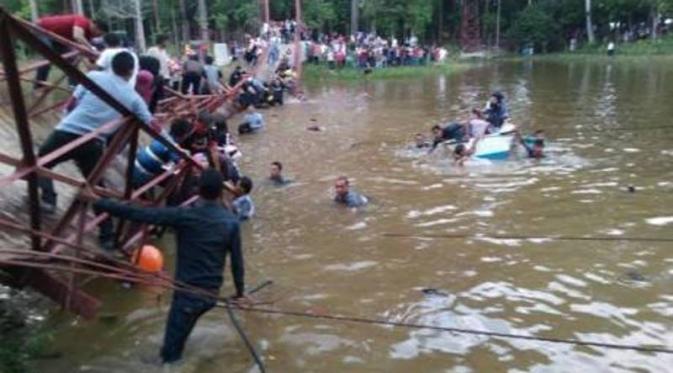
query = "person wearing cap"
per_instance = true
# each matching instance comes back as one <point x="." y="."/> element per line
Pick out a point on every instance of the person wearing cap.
<point x="496" y="110"/>
<point x="206" y="234"/>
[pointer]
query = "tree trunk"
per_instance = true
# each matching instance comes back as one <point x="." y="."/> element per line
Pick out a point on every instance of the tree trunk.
<point x="174" y="23"/>
<point x="440" y="21"/>
<point x="140" y="30"/>
<point x="655" y="21"/>
<point x="203" y="21"/>
<point x="185" y="22"/>
<point x="34" y="14"/>
<point x="77" y="6"/>
<point x="590" y="26"/>
<point x="497" y="26"/>
<point x="155" y="10"/>
<point x="354" y="16"/>
<point x="92" y="10"/>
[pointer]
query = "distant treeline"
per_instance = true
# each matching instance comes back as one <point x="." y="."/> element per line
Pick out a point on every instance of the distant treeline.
<point x="546" y="25"/>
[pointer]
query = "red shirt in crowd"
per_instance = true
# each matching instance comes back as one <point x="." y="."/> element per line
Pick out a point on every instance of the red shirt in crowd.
<point x="63" y="25"/>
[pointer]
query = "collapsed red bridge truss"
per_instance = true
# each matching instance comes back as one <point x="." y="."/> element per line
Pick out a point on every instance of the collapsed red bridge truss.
<point x="68" y="234"/>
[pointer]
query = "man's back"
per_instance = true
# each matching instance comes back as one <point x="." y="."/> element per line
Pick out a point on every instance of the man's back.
<point x="91" y="112"/>
<point x="206" y="234"/>
<point x="63" y="25"/>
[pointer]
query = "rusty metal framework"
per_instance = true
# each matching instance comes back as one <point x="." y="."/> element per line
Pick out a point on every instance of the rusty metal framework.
<point x="70" y="230"/>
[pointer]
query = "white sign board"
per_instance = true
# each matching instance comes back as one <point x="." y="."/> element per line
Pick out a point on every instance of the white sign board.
<point x="222" y="56"/>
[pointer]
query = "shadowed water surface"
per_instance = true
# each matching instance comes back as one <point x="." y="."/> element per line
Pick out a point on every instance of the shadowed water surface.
<point x="327" y="259"/>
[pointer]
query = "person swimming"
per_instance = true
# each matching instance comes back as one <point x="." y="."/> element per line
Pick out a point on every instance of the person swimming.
<point x="453" y="131"/>
<point x="420" y="142"/>
<point x="534" y="145"/>
<point x="276" y="175"/>
<point x="346" y="196"/>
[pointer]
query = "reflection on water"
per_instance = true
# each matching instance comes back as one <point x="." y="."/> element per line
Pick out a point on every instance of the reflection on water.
<point x="331" y="260"/>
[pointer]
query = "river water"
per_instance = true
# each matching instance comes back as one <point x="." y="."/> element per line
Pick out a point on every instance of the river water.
<point x="601" y="118"/>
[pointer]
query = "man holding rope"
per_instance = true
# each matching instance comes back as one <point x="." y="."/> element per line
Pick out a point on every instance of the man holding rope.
<point x="206" y="234"/>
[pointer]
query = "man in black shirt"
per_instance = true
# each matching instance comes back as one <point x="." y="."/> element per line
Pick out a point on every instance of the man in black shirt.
<point x="454" y="131"/>
<point x="206" y="233"/>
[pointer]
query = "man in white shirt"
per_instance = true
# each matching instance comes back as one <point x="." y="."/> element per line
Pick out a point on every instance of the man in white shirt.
<point x="159" y="52"/>
<point x="112" y="48"/>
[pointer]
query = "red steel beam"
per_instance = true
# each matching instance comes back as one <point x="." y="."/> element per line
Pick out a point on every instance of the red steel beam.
<point x="22" y="125"/>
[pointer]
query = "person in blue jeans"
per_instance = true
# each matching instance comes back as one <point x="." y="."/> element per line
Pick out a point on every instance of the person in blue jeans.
<point x="206" y="234"/>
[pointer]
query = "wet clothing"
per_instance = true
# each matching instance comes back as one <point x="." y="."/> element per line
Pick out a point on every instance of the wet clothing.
<point x="244" y="207"/>
<point x="478" y="128"/>
<point x="454" y="131"/>
<point x="279" y="181"/>
<point x="63" y="25"/>
<point x="91" y="112"/>
<point x="496" y="114"/>
<point x="351" y="199"/>
<point x="253" y="122"/>
<point x="206" y="234"/>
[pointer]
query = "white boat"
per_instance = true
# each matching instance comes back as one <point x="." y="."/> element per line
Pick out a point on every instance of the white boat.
<point x="495" y="146"/>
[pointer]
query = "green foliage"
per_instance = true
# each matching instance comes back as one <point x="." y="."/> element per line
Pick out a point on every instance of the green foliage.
<point x="534" y="25"/>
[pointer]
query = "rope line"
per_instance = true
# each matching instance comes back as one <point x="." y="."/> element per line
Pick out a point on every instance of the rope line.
<point x="363" y="320"/>
<point x="527" y="237"/>
<point x="223" y="302"/>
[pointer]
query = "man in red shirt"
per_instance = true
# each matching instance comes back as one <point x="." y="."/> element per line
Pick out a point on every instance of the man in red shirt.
<point x="74" y="27"/>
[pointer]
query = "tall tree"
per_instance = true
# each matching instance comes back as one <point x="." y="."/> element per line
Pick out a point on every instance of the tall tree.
<point x="355" y="15"/>
<point x="186" y="34"/>
<point x="203" y="21"/>
<point x="140" y="30"/>
<point x="34" y="14"/>
<point x="589" y="24"/>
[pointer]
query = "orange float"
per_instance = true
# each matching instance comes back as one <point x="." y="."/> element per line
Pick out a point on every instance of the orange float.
<point x="149" y="259"/>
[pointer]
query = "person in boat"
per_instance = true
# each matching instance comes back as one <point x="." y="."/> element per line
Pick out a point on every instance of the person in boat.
<point x="153" y="159"/>
<point x="74" y="27"/>
<point x="89" y="114"/>
<point x="534" y="145"/>
<point x="496" y="111"/>
<point x="243" y="206"/>
<point x="344" y="195"/>
<point x="206" y="234"/>
<point x="453" y="131"/>
<point x="478" y="127"/>
<point x="276" y="175"/>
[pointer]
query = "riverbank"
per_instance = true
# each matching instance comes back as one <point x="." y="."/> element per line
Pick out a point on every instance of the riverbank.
<point x="324" y="73"/>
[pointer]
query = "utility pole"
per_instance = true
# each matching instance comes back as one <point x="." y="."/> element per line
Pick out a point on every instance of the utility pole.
<point x="590" y="26"/>
<point x="34" y="14"/>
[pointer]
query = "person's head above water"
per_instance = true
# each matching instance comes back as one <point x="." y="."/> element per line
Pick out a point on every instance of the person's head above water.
<point x="460" y="151"/>
<point x="341" y="186"/>
<point x="538" y="149"/>
<point x="539" y="135"/>
<point x="276" y="170"/>
<point x="420" y="140"/>
<point x="123" y="65"/>
<point x="210" y="184"/>
<point x="437" y="130"/>
<point x="245" y="185"/>
<point x="496" y="97"/>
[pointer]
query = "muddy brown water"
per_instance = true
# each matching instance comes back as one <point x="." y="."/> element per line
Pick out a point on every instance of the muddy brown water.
<point x="333" y="260"/>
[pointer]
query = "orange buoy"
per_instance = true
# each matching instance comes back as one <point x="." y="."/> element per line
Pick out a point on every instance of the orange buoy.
<point x="149" y="259"/>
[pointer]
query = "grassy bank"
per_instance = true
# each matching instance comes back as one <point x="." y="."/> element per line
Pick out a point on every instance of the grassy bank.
<point x="322" y="72"/>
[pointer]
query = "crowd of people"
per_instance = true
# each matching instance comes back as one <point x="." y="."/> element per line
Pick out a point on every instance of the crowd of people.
<point x="209" y="231"/>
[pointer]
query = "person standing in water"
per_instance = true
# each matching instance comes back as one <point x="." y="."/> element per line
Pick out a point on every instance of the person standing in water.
<point x="206" y="234"/>
<point x="344" y="195"/>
